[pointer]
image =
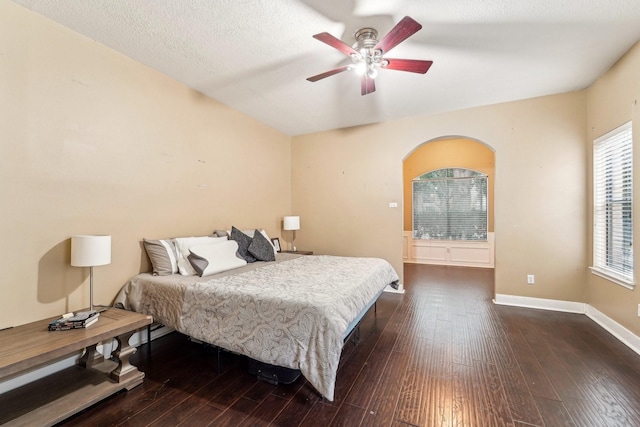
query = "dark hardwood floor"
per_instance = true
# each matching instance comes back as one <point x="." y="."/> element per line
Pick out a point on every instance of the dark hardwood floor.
<point x="442" y="354"/>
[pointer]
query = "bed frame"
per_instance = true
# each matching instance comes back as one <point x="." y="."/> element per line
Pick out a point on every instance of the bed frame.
<point x="276" y="374"/>
<point x="143" y="291"/>
<point x="353" y="332"/>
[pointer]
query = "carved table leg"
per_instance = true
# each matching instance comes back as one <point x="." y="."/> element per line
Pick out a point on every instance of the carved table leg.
<point x="125" y="370"/>
<point x="91" y="357"/>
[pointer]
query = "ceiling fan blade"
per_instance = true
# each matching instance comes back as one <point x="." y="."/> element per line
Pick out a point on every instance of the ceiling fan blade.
<point x="410" y="65"/>
<point x="367" y="85"/>
<point x="328" y="73"/>
<point x="402" y="31"/>
<point x="335" y="43"/>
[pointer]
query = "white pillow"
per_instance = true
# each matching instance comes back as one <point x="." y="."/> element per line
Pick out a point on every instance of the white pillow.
<point x="182" y="248"/>
<point x="212" y="258"/>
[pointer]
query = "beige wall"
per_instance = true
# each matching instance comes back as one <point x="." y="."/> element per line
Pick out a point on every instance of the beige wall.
<point x="93" y="142"/>
<point x="612" y="101"/>
<point x="447" y="153"/>
<point x="343" y="181"/>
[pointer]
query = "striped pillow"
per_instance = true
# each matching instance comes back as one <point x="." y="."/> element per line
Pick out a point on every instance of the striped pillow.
<point x="163" y="256"/>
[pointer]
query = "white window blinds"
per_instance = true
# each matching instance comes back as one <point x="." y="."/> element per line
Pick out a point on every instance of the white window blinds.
<point x="450" y="204"/>
<point x="613" y="205"/>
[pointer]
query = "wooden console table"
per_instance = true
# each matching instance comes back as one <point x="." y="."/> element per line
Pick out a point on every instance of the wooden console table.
<point x="56" y="397"/>
<point x="298" y="252"/>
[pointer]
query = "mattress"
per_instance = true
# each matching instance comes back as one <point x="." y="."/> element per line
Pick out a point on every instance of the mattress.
<point x="293" y="312"/>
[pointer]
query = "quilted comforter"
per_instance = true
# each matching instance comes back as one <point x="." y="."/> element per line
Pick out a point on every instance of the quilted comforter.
<point x="293" y="312"/>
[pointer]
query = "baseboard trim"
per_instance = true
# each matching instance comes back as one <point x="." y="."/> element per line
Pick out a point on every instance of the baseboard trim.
<point x="624" y="335"/>
<point x="36" y="374"/>
<point x="140" y="337"/>
<point x="540" y="303"/>
<point x="614" y="328"/>
<point x="400" y="289"/>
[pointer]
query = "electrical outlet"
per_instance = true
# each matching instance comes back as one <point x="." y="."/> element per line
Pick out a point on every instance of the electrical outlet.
<point x="531" y="279"/>
<point x="638" y="310"/>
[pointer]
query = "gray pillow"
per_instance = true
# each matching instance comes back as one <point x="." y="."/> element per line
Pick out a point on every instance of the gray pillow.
<point x="244" y="242"/>
<point x="261" y="248"/>
<point x="163" y="256"/>
<point x="221" y="233"/>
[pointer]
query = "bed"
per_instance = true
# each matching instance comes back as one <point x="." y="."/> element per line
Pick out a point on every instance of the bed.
<point x="293" y="312"/>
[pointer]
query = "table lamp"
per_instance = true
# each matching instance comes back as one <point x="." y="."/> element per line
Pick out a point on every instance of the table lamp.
<point x="292" y="223"/>
<point x="90" y="251"/>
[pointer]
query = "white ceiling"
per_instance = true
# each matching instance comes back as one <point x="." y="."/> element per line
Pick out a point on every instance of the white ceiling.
<point x="255" y="55"/>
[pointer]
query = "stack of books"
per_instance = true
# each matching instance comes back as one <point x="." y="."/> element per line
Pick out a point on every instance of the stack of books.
<point x="77" y="320"/>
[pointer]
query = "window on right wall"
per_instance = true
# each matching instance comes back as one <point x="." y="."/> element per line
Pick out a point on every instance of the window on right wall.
<point x="613" y="206"/>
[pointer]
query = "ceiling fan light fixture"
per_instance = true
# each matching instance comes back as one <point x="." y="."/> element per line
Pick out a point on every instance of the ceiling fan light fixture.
<point x="367" y="53"/>
<point x="366" y="39"/>
<point x="366" y="66"/>
<point x="361" y="68"/>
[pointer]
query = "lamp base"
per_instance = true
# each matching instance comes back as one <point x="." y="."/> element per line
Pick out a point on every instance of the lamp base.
<point x="94" y="307"/>
<point x="293" y="239"/>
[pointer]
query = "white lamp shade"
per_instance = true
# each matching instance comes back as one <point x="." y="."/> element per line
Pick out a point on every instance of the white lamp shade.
<point x="89" y="251"/>
<point x="291" y="223"/>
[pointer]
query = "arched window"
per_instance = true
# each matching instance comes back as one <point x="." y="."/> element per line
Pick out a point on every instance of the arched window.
<point x="450" y="204"/>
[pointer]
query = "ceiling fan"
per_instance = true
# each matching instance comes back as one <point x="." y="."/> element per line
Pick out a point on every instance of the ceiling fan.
<point x="367" y="53"/>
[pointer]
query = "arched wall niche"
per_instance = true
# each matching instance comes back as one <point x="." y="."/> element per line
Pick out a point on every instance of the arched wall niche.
<point x="447" y="152"/>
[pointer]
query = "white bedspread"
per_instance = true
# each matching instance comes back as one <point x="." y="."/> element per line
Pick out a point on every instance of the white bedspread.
<point x="292" y="313"/>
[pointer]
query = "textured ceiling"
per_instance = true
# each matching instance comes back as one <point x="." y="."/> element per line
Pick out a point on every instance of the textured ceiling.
<point x="254" y="55"/>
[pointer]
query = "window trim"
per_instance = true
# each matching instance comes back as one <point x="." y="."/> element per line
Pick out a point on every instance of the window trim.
<point x="602" y="271"/>
<point x="618" y="280"/>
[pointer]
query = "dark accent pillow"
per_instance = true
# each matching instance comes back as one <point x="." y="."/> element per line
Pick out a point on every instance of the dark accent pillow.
<point x="198" y="263"/>
<point x="244" y="242"/>
<point x="261" y="248"/>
